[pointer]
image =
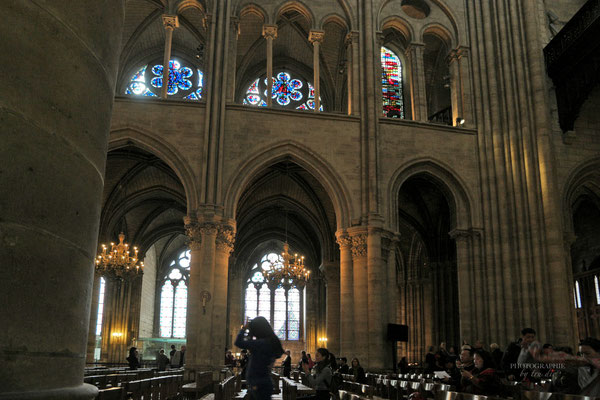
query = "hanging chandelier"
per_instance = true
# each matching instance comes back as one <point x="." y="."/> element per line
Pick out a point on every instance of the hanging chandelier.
<point x="287" y="274"/>
<point x="118" y="263"/>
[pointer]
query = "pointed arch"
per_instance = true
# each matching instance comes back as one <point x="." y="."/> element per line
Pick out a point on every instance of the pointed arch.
<point x="439" y="31"/>
<point x="335" y="18"/>
<point x="252" y="9"/>
<point x="583" y="178"/>
<point x="398" y="24"/>
<point x="299" y="7"/>
<point x="305" y="158"/>
<point x="449" y="183"/>
<point x="153" y="143"/>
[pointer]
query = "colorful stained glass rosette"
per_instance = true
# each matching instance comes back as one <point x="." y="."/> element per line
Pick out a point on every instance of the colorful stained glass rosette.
<point x="183" y="80"/>
<point x="286" y="92"/>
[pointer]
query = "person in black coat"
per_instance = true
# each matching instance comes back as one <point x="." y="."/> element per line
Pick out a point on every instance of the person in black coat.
<point x="517" y="353"/>
<point x="287" y="364"/>
<point x="134" y="362"/>
<point x="344" y="368"/>
<point x="357" y="371"/>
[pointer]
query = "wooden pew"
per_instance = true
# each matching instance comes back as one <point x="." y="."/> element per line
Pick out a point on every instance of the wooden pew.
<point x="290" y="391"/>
<point x="225" y="390"/>
<point x="275" y="378"/>
<point x="200" y="387"/>
<point x="114" y="393"/>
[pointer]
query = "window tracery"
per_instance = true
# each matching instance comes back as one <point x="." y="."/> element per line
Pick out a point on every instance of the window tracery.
<point x="287" y="92"/>
<point x="173" y="297"/>
<point x="186" y="81"/>
<point x="281" y="309"/>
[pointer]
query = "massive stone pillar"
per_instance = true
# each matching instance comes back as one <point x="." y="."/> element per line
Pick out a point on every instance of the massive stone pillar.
<point x="224" y="247"/>
<point x="316" y="38"/>
<point x="418" y="95"/>
<point x="346" y="294"/>
<point x="170" y="22"/>
<point x="360" y="347"/>
<point x="58" y="83"/>
<point x="378" y="347"/>
<point x="332" y="276"/>
<point x="235" y="304"/>
<point x="269" y="33"/>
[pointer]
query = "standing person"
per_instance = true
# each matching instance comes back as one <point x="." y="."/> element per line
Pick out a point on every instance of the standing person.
<point x="430" y="360"/>
<point x="229" y="360"/>
<point x="311" y="363"/>
<point x="171" y="355"/>
<point x="332" y="362"/>
<point x="517" y="353"/>
<point x="287" y="364"/>
<point x="182" y="357"/>
<point x="243" y="361"/>
<point x="357" y="371"/>
<point x="162" y="360"/>
<point x="303" y="359"/>
<point x="403" y="366"/>
<point x="320" y="376"/>
<point x="264" y="350"/>
<point x="134" y="362"/>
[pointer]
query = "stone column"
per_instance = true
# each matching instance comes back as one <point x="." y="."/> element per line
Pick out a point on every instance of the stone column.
<point x="170" y="22"/>
<point x="91" y="343"/>
<point x="455" y="88"/>
<point x="466" y="280"/>
<point x="353" y="73"/>
<point x="466" y="91"/>
<point x="232" y="67"/>
<point x="414" y="53"/>
<point x="332" y="276"/>
<point x="236" y="316"/>
<point x="361" y="296"/>
<point x="200" y="294"/>
<point x="224" y="247"/>
<point x="53" y="155"/>
<point x="346" y="294"/>
<point x="316" y="38"/>
<point x="378" y="73"/>
<point x="269" y="32"/>
<point x="378" y="347"/>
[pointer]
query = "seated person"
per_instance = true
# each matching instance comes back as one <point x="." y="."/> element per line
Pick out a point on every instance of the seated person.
<point x="357" y="371"/>
<point x="483" y="379"/>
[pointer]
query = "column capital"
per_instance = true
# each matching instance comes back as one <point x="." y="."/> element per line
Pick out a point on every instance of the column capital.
<point x="193" y="232"/>
<point x="170" y="21"/>
<point x="359" y="245"/>
<point x="316" y="36"/>
<point x="414" y="46"/>
<point x="343" y="240"/>
<point x="225" y="238"/>
<point x="269" y="31"/>
<point x="352" y="38"/>
<point x="380" y="38"/>
<point x="464" y="234"/>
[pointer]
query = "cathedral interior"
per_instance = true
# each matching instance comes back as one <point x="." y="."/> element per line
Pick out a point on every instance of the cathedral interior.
<point x="435" y="162"/>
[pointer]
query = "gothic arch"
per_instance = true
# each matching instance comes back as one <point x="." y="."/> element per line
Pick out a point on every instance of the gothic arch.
<point x="336" y="18"/>
<point x="449" y="183"/>
<point x="399" y="24"/>
<point x="251" y="8"/>
<point x="305" y="158"/>
<point x="153" y="143"/>
<point x="297" y="6"/>
<point x="584" y="178"/>
<point x="439" y="31"/>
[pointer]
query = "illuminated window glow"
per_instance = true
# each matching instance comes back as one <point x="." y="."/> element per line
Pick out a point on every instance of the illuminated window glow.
<point x="173" y="297"/>
<point x="184" y="81"/>
<point x="100" y="307"/>
<point x="287" y="92"/>
<point x="285" y="315"/>
<point x="391" y="84"/>
<point x="597" y="290"/>
<point x="577" y="295"/>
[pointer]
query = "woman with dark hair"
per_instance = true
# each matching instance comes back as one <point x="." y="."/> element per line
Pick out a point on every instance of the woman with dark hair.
<point x="134" y="362"/>
<point x="357" y="371"/>
<point x="483" y="379"/>
<point x="320" y="378"/>
<point x="264" y="350"/>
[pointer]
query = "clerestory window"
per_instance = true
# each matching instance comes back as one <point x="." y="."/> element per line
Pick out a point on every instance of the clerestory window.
<point x="288" y="91"/>
<point x="185" y="81"/>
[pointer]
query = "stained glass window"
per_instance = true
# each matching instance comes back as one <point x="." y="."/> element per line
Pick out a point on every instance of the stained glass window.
<point x="597" y="289"/>
<point x="100" y="307"/>
<point x="285" y="313"/>
<point x="391" y="84"/>
<point x="184" y="81"/>
<point x="577" y="295"/>
<point x="287" y="92"/>
<point x="173" y="297"/>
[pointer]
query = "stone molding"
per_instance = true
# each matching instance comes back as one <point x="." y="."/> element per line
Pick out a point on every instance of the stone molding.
<point x="351" y="38"/>
<point x="464" y="234"/>
<point x="170" y="21"/>
<point x="193" y="233"/>
<point x="269" y="31"/>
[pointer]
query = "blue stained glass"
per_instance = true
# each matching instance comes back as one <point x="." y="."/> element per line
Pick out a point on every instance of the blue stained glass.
<point x="157" y="69"/>
<point x="294" y="325"/>
<point x="296" y="96"/>
<point x="286" y="91"/>
<point x="245" y="102"/>
<point x="294" y="335"/>
<point x="156" y="82"/>
<point x="253" y="99"/>
<point x="180" y="78"/>
<point x="139" y="76"/>
<point x="253" y="87"/>
<point x="200" y="78"/>
<point x="263" y="103"/>
<point x="302" y="107"/>
<point x="191" y="96"/>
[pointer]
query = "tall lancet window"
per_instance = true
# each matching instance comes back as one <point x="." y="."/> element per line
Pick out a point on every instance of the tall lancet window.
<point x="173" y="297"/>
<point x="391" y="84"/>
<point x="281" y="309"/>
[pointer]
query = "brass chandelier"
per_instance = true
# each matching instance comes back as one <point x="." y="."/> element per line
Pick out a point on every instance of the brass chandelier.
<point x="118" y="263"/>
<point x="289" y="273"/>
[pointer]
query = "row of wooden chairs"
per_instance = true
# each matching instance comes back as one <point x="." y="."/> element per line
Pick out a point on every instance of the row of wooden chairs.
<point x="225" y="390"/>
<point x="158" y="388"/>
<point x="290" y="392"/>
<point x="201" y="386"/>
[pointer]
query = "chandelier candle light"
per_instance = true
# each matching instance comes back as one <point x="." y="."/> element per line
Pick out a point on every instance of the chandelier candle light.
<point x="118" y="263"/>
<point x="288" y="274"/>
